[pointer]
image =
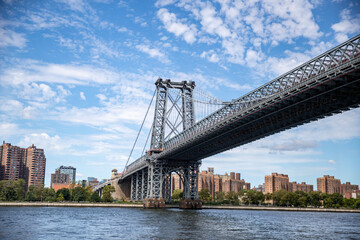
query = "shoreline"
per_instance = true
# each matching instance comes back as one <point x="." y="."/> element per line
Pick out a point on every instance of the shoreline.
<point x="119" y="205"/>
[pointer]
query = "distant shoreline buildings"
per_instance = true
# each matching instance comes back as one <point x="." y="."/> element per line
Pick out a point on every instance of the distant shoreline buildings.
<point x="326" y="184"/>
<point x="214" y="182"/>
<point x="29" y="164"/>
<point x="22" y="163"/>
<point x="63" y="177"/>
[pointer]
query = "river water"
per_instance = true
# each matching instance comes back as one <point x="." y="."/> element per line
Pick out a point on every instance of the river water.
<point x="134" y="223"/>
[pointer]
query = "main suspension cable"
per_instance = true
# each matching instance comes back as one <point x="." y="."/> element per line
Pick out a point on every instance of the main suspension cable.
<point x="142" y="124"/>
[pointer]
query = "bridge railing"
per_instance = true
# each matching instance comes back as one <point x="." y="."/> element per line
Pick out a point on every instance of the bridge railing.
<point x="100" y="186"/>
<point x="134" y="166"/>
<point x="289" y="82"/>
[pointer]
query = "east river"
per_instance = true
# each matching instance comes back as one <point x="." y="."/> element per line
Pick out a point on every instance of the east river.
<point x="134" y="223"/>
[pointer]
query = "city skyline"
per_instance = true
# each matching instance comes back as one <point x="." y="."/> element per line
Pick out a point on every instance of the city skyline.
<point x="76" y="78"/>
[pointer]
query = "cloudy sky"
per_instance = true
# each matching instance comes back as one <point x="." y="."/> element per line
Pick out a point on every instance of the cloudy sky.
<point x="76" y="77"/>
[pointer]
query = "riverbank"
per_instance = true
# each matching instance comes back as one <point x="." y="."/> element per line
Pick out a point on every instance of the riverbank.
<point x="139" y="205"/>
<point x="292" y="209"/>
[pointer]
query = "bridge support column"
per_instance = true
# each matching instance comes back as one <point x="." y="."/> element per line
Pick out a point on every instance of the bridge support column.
<point x="156" y="175"/>
<point x="191" y="195"/>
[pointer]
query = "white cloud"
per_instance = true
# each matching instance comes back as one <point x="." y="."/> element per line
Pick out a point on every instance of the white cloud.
<point x="8" y="129"/>
<point x="44" y="141"/>
<point x="122" y="29"/>
<point x="253" y="57"/>
<point x="153" y="52"/>
<point x="16" y="109"/>
<point x="281" y="65"/>
<point x="162" y="3"/>
<point x="331" y="162"/>
<point x="211" y="56"/>
<point x="175" y="26"/>
<point x="238" y="25"/>
<point x="29" y="71"/>
<point x="10" y="38"/>
<point x="212" y="24"/>
<point x="291" y="19"/>
<point x="82" y="96"/>
<point x="348" y="25"/>
<point x="76" y="5"/>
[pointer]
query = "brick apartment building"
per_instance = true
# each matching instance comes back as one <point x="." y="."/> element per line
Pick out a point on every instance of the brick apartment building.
<point x="294" y="186"/>
<point x="348" y="187"/>
<point x="214" y="182"/>
<point x="276" y="182"/>
<point x="328" y="184"/>
<point x="20" y="163"/>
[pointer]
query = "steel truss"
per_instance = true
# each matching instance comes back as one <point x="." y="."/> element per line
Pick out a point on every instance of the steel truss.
<point x="159" y="184"/>
<point x="330" y="64"/>
<point x="162" y="112"/>
<point x="324" y="85"/>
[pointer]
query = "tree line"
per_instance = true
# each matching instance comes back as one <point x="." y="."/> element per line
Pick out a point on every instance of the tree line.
<point x="278" y="198"/>
<point x="15" y="191"/>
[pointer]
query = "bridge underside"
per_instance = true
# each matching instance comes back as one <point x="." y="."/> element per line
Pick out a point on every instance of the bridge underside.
<point x="338" y="93"/>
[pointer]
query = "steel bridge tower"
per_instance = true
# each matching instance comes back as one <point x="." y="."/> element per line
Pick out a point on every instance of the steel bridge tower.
<point x="159" y="170"/>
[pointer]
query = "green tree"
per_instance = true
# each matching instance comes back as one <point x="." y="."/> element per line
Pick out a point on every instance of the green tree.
<point x="259" y="198"/>
<point x="315" y="199"/>
<point x="177" y="194"/>
<point x="348" y="203"/>
<point x="204" y="195"/>
<point x="35" y="193"/>
<point x="249" y="197"/>
<point x="106" y="193"/>
<point x="289" y="199"/>
<point x="95" y="197"/>
<point x="79" y="194"/>
<point x="20" y="189"/>
<point x="357" y="204"/>
<point x="268" y="196"/>
<point x="303" y="201"/>
<point x="219" y="197"/>
<point x="8" y="190"/>
<point x="49" y="194"/>
<point x="334" y="200"/>
<point x="277" y="196"/>
<point x="60" y="197"/>
<point x="232" y="197"/>
<point x="65" y="193"/>
<point x="88" y="192"/>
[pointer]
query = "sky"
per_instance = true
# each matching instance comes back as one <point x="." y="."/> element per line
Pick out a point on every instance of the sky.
<point x="76" y="78"/>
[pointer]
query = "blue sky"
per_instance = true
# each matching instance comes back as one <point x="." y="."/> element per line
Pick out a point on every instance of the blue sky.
<point x="76" y="77"/>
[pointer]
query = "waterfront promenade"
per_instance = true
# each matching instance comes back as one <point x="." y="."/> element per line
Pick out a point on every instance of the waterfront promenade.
<point x="140" y="205"/>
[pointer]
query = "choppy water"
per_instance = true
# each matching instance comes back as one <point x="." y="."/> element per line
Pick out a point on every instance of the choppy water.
<point x="129" y="223"/>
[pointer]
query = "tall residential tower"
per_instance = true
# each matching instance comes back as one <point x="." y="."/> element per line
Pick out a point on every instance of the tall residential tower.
<point x="28" y="164"/>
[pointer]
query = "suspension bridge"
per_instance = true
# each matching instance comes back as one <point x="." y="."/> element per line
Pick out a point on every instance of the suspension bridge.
<point x="325" y="85"/>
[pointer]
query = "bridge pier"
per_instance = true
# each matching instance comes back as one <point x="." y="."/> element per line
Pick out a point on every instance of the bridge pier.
<point x="190" y="176"/>
<point x="190" y="204"/>
<point x="159" y="184"/>
<point x="154" y="203"/>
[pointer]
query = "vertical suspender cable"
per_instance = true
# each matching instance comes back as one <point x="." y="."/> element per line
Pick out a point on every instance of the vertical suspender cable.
<point x="140" y="130"/>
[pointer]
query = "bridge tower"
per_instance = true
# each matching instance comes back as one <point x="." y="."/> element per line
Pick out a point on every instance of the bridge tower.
<point x="159" y="170"/>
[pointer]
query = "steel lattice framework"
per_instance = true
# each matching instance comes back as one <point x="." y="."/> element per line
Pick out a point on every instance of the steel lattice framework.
<point x="327" y="84"/>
